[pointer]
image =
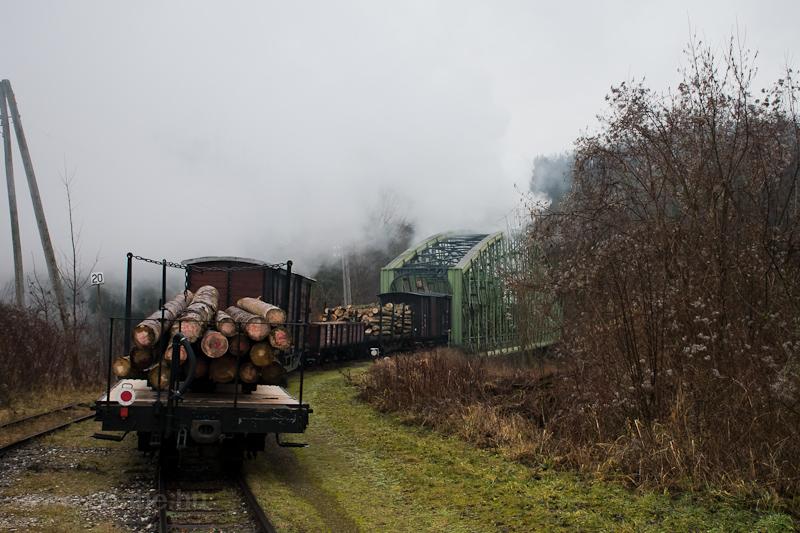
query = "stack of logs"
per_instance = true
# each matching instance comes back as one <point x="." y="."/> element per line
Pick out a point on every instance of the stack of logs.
<point x="251" y="331"/>
<point x="389" y="319"/>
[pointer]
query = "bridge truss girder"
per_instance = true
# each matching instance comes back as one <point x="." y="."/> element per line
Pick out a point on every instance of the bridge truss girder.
<point x="474" y="269"/>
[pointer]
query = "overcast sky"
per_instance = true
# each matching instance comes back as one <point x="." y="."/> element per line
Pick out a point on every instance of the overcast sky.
<point x="269" y="129"/>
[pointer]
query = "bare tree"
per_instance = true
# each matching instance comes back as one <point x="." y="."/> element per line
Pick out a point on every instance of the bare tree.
<point x="75" y="275"/>
<point x="73" y="357"/>
<point x="83" y="339"/>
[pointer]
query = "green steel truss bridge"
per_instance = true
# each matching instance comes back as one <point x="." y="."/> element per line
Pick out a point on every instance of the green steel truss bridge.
<point x="488" y="315"/>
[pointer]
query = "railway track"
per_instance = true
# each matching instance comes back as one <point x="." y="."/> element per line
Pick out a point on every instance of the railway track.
<point x="204" y="493"/>
<point x="18" y="433"/>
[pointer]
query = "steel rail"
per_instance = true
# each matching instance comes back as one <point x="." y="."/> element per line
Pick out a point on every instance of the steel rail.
<point x="25" y="440"/>
<point x="162" y="500"/>
<point x="38" y="415"/>
<point x="161" y="497"/>
<point x="260" y="516"/>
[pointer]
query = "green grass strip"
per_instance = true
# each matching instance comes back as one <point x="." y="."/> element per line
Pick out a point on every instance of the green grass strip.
<point x="367" y="472"/>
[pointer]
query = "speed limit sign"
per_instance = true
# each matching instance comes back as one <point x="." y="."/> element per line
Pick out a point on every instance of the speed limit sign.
<point x="96" y="278"/>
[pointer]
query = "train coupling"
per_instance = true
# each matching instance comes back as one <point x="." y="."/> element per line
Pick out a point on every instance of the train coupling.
<point x="181" y="444"/>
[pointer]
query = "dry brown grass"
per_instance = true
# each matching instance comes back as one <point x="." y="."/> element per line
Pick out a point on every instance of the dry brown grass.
<point x="539" y="415"/>
<point x="38" y="358"/>
<point x="45" y="399"/>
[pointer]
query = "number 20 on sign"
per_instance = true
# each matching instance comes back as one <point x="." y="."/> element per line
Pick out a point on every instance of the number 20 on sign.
<point x="96" y="278"/>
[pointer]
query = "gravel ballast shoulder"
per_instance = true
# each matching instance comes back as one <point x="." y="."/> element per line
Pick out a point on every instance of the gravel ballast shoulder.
<point x="130" y="504"/>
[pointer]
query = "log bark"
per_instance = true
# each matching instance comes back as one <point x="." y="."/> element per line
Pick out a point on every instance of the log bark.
<point x="359" y="313"/>
<point x="222" y="369"/>
<point x="253" y="325"/>
<point x="271" y="313"/>
<point x="262" y="353"/>
<point x="149" y="331"/>
<point x="214" y="344"/>
<point x="199" y="314"/>
<point x="280" y="338"/>
<point x="226" y="325"/>
<point x="387" y="320"/>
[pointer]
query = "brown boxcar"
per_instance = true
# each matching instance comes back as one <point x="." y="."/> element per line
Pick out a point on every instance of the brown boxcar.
<point x="430" y="316"/>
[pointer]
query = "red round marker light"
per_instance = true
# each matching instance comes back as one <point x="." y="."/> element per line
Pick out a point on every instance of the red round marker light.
<point x="126" y="396"/>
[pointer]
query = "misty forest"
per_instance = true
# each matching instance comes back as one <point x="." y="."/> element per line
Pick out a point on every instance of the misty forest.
<point x="672" y="243"/>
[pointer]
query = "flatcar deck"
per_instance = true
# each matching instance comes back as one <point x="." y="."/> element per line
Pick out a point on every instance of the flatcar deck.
<point x="263" y="396"/>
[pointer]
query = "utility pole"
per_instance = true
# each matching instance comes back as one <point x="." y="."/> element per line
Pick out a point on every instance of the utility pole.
<point x="347" y="296"/>
<point x="346" y="293"/>
<point x="44" y="234"/>
<point x="12" y="202"/>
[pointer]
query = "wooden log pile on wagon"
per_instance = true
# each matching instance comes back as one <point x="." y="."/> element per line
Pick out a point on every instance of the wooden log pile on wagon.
<point x="389" y="319"/>
<point x="246" y="336"/>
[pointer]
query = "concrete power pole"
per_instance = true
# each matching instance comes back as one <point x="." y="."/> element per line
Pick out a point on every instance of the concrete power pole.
<point x="347" y="293"/>
<point x="44" y="234"/>
<point x="19" y="279"/>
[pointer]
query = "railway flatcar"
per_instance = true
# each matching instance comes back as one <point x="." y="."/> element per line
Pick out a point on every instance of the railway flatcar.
<point x="181" y="407"/>
<point x="337" y="341"/>
<point x="408" y="321"/>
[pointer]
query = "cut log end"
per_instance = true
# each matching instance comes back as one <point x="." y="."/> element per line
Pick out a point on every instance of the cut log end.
<point x="121" y="367"/>
<point x="280" y="338"/>
<point x="273" y="373"/>
<point x="171" y="350"/>
<point x="141" y="358"/>
<point x="249" y="373"/>
<point x="214" y="344"/>
<point x="239" y="345"/>
<point x="159" y="380"/>
<point x="262" y="354"/>
<point x="222" y="369"/>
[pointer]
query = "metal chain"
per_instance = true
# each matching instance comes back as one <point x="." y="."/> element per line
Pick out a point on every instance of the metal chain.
<point x="165" y="262"/>
<point x="233" y="269"/>
<point x="208" y="269"/>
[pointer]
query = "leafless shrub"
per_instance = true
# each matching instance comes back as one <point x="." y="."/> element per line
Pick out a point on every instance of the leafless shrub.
<point x="40" y="350"/>
<point x="677" y="256"/>
<point x="31" y="352"/>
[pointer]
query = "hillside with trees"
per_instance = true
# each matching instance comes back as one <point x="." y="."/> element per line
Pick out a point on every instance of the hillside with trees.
<point x="389" y="231"/>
